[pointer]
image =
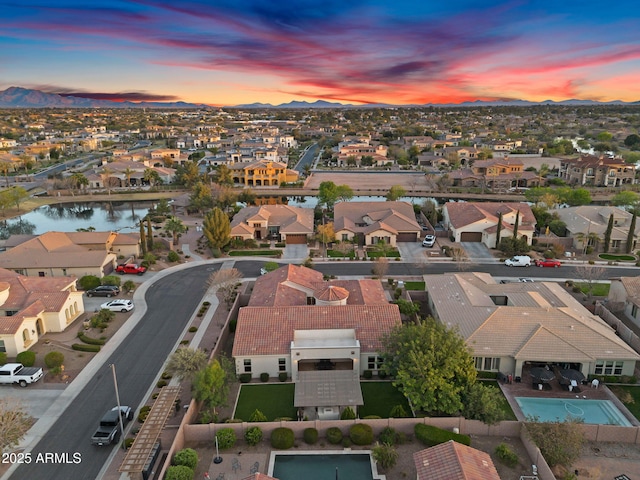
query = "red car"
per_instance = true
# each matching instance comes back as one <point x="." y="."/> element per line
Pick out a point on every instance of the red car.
<point x="548" y="262"/>
<point x="131" y="268"/>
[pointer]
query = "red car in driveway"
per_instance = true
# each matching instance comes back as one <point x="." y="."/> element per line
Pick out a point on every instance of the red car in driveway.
<point x="548" y="262"/>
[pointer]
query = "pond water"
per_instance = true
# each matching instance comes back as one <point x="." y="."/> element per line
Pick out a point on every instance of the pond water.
<point x="70" y="217"/>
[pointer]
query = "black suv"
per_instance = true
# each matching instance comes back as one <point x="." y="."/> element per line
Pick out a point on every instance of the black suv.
<point x="104" y="291"/>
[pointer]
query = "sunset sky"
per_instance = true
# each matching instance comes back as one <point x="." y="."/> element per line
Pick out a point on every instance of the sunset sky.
<point x="231" y="52"/>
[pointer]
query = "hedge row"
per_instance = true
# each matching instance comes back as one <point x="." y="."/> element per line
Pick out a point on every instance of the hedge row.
<point x="430" y="435"/>
<point x="81" y="347"/>
<point x="244" y="253"/>
<point x="91" y="341"/>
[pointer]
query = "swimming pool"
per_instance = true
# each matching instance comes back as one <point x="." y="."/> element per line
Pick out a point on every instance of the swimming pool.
<point x="323" y="465"/>
<point x="597" y="412"/>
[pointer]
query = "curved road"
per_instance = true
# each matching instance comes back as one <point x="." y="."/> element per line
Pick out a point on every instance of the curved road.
<point x="171" y="302"/>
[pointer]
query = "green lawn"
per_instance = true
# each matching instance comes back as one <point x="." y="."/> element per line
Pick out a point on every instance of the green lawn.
<point x="243" y="253"/>
<point x="414" y="286"/>
<point x="504" y="405"/>
<point x="337" y="254"/>
<point x="388" y="254"/>
<point x="617" y="258"/>
<point x="273" y="400"/>
<point x="380" y="398"/>
<point x="630" y="397"/>
<point x="597" y="289"/>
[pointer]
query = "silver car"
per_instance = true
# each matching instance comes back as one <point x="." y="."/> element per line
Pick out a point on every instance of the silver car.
<point x="118" y="305"/>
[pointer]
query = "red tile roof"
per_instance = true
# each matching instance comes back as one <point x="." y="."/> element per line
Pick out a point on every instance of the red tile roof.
<point x="269" y="330"/>
<point x="454" y="461"/>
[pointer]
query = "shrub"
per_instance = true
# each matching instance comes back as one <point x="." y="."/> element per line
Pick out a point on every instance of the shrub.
<point x="506" y="455"/>
<point x="282" y="438"/>
<point x="88" y="282"/>
<point x="179" y="472"/>
<point x="173" y="256"/>
<point x="257" y="416"/>
<point x="348" y="414"/>
<point x="430" y="435"/>
<point x="398" y="412"/>
<point x="382" y="374"/>
<point x="111" y="280"/>
<point x="187" y="457"/>
<point x="128" y="442"/>
<point x="81" y="347"/>
<point x="346" y="442"/>
<point x="367" y="374"/>
<point x="161" y="383"/>
<point x="310" y="435"/>
<point x="226" y="438"/>
<point x="361" y="434"/>
<point x="282" y="376"/>
<point x="193" y="329"/>
<point x="244" y="377"/>
<point x="334" y="435"/>
<point x="89" y="340"/>
<point x="143" y="413"/>
<point x="150" y="258"/>
<point x="129" y="286"/>
<point x="388" y="435"/>
<point x="253" y="436"/>
<point x="3" y="358"/>
<point x="264" y="377"/>
<point x="384" y="455"/>
<point x="166" y="375"/>
<point x="28" y="358"/>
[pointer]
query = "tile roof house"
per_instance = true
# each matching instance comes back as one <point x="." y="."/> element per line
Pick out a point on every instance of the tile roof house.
<point x="597" y="171"/>
<point x="262" y="173"/>
<point x="624" y="296"/>
<point x="33" y="306"/>
<point x="587" y="225"/>
<point x="454" y="461"/>
<point x="372" y="222"/>
<point x="477" y="222"/>
<point x="281" y="222"/>
<point x="508" y="326"/>
<point x="323" y="334"/>
<point x="54" y="254"/>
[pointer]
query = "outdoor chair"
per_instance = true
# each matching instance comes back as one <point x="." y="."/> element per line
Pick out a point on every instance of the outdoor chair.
<point x="254" y="468"/>
<point x="235" y="465"/>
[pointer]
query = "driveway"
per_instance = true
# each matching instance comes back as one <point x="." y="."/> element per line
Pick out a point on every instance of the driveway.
<point x="414" y="252"/>
<point x="295" y="252"/>
<point x="477" y="250"/>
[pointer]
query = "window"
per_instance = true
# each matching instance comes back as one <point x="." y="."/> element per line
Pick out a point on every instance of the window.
<point x="247" y="366"/>
<point x="478" y="362"/>
<point x="282" y="364"/>
<point x="609" y="367"/>
<point x="634" y="311"/>
<point x="491" y="364"/>
<point x="374" y="363"/>
<point x="345" y="237"/>
<point x="2" y="347"/>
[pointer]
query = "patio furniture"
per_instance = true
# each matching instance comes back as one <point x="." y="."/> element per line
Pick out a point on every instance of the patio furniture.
<point x="541" y="375"/>
<point x="235" y="465"/>
<point x="594" y="383"/>
<point x="254" y="468"/>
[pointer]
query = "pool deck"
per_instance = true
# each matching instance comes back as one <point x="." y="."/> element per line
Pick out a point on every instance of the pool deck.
<point x="554" y="390"/>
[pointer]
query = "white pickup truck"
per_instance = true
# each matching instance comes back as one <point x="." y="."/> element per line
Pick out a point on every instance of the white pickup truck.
<point x="17" y="373"/>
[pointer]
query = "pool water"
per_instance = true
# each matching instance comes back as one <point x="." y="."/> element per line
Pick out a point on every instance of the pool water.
<point x="597" y="412"/>
<point x="322" y="466"/>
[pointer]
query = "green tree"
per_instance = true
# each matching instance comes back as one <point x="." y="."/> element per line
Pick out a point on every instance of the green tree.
<point x="607" y="234"/>
<point x="162" y="207"/>
<point x="188" y="174"/>
<point x="626" y="198"/>
<point x="77" y="181"/>
<point x="604" y="137"/>
<point x="515" y="226"/>
<point x="329" y="193"/>
<point x="431" y="365"/>
<point x="17" y="195"/>
<point x="223" y="176"/>
<point x="498" y="230"/>
<point x="152" y="177"/>
<point x="187" y="457"/>
<point x="216" y="228"/>
<point x="175" y="227"/>
<point x="143" y="239"/>
<point x="179" y="472"/>
<point x="385" y="455"/>
<point x="632" y="141"/>
<point x="149" y="235"/>
<point x="345" y="193"/>
<point x="4" y="168"/>
<point x="574" y="196"/>
<point x="483" y="403"/>
<point x="200" y="198"/>
<point x="210" y="386"/>
<point x="395" y="192"/>
<point x="632" y="233"/>
<point x="185" y="362"/>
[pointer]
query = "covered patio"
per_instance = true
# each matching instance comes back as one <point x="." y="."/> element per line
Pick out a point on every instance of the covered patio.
<point x="321" y="394"/>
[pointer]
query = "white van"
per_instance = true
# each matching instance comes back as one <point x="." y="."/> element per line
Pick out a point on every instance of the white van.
<point x="518" y="261"/>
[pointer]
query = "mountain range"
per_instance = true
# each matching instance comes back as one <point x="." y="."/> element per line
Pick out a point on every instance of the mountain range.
<point x="18" y="97"/>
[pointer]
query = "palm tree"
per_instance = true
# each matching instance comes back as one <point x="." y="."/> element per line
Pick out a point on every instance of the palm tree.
<point x="542" y="172"/>
<point x="4" y="168"/>
<point x="151" y="176"/>
<point x="175" y="226"/>
<point x="128" y="172"/>
<point x="105" y="175"/>
<point x="78" y="181"/>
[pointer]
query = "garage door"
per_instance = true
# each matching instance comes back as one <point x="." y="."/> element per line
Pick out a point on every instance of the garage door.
<point x="471" y="237"/>
<point x="296" y="239"/>
<point x="406" y="237"/>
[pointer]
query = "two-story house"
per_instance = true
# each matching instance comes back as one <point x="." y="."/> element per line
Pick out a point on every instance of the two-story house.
<point x="597" y="171"/>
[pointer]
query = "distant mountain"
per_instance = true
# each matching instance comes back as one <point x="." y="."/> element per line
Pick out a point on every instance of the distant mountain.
<point x="17" y="97"/>
<point x="298" y="104"/>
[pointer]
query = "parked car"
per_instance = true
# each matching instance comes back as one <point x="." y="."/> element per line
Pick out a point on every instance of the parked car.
<point x="548" y="262"/>
<point x="18" y="373"/>
<point x="104" y="291"/>
<point x="429" y="241"/>
<point x="518" y="261"/>
<point x="118" y="305"/>
<point x="131" y="268"/>
<point x="109" y="427"/>
<point x="525" y="280"/>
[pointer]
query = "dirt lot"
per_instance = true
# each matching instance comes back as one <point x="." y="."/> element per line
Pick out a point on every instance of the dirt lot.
<point x="373" y="181"/>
